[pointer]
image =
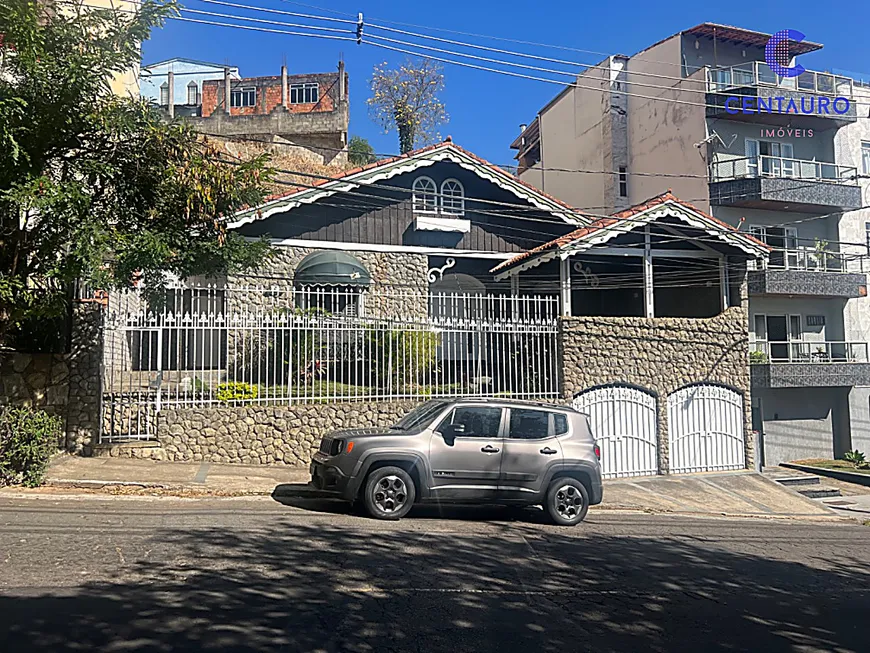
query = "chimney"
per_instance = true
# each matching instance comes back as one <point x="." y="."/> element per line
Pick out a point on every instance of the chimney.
<point x="284" y="90"/>
<point x="227" y="90"/>
<point x="171" y="81"/>
<point x="341" y="89"/>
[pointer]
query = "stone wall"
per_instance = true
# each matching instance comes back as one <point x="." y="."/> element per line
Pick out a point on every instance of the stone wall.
<point x="399" y="287"/>
<point x="35" y="380"/>
<point x="286" y="435"/>
<point x="660" y="354"/>
<point x="85" y="358"/>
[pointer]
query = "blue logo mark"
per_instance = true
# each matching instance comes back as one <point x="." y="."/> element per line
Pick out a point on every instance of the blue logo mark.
<point x="776" y="53"/>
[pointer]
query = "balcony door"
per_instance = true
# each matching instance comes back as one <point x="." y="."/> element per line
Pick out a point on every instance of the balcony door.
<point x="784" y="241"/>
<point x="774" y="158"/>
<point x="784" y="335"/>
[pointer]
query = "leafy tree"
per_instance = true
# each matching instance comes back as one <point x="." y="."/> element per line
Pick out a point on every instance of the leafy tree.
<point x="406" y="99"/>
<point x="360" y="152"/>
<point x="95" y="186"/>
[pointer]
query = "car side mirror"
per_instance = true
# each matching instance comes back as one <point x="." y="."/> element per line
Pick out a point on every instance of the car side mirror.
<point x="450" y="431"/>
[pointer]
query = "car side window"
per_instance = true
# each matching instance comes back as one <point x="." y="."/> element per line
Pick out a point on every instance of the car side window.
<point x="560" y="424"/>
<point x="479" y="422"/>
<point x="528" y="424"/>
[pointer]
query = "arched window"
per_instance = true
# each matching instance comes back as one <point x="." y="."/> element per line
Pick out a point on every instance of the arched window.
<point x="425" y="195"/>
<point x="452" y="197"/>
<point x="192" y="93"/>
<point x="164" y="94"/>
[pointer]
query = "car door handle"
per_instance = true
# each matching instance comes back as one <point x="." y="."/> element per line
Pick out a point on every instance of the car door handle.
<point x="548" y="451"/>
<point x="489" y="449"/>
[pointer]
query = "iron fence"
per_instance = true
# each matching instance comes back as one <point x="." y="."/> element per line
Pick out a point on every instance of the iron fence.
<point x="238" y="346"/>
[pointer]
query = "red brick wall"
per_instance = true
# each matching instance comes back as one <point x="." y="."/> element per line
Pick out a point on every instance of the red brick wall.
<point x="269" y="94"/>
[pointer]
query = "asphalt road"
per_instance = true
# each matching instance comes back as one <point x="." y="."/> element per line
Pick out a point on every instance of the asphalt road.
<point x="136" y="575"/>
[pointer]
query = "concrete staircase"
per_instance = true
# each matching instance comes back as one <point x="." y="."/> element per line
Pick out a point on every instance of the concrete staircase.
<point x="807" y="484"/>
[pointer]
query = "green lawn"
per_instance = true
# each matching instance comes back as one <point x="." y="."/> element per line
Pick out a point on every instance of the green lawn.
<point x="838" y="465"/>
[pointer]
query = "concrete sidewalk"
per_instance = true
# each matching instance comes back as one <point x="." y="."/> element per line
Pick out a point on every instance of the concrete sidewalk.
<point x="743" y="494"/>
<point x="193" y="478"/>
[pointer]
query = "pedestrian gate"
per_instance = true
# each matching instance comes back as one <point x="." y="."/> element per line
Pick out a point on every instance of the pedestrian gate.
<point x="623" y="420"/>
<point x="706" y="429"/>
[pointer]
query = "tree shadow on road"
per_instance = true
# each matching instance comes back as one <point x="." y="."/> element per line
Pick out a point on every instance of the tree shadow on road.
<point x="516" y="587"/>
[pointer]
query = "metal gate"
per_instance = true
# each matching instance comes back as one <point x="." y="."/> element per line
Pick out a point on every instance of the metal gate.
<point x="623" y="420"/>
<point x="706" y="429"/>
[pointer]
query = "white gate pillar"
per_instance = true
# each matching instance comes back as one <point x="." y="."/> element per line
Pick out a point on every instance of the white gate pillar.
<point x="565" y="286"/>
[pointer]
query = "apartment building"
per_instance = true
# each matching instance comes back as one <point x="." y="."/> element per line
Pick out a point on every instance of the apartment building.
<point x="702" y="113"/>
<point x="309" y="111"/>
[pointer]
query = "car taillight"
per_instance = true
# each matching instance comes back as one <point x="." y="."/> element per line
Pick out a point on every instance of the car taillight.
<point x="597" y="451"/>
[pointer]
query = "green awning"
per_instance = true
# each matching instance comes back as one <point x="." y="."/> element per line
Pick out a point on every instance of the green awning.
<point x="331" y="269"/>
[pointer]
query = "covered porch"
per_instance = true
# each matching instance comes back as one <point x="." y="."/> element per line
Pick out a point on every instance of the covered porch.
<point x="660" y="259"/>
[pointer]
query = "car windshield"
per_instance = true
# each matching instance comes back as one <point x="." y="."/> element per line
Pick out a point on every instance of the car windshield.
<point x="420" y="416"/>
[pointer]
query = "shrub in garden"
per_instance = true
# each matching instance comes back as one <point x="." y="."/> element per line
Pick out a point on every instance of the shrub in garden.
<point x="28" y="437"/>
<point x="236" y="391"/>
<point x="857" y="459"/>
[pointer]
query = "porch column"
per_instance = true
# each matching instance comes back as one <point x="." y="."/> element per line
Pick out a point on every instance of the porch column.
<point x="515" y="292"/>
<point x="648" y="292"/>
<point x="723" y="280"/>
<point x="565" y="285"/>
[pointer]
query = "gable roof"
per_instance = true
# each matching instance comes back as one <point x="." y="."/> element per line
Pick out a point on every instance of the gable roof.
<point x="186" y="60"/>
<point x="605" y="228"/>
<point x="415" y="160"/>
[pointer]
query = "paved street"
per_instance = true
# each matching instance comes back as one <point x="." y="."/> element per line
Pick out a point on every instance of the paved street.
<point x="158" y="574"/>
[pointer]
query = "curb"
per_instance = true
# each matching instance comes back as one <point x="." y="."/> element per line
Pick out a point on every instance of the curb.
<point x="286" y="490"/>
<point x="839" y="474"/>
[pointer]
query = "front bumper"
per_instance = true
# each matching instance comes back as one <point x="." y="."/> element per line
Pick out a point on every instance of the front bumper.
<point x="330" y="479"/>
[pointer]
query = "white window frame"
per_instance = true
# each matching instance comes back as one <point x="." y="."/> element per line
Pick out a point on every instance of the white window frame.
<point x="164" y="94"/>
<point x="193" y="86"/>
<point x="242" y="93"/>
<point x="452" y="210"/>
<point x="418" y="197"/>
<point x="305" y="93"/>
<point x="865" y="156"/>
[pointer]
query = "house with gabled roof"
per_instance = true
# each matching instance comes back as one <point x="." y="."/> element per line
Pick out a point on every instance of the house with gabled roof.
<point x="437" y="273"/>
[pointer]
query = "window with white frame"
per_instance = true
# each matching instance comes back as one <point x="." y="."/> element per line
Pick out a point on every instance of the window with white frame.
<point x="192" y="93"/>
<point x="865" y="156"/>
<point x="452" y="197"/>
<point x="164" y="94"/>
<point x="425" y="195"/>
<point x="307" y="93"/>
<point x="243" y="97"/>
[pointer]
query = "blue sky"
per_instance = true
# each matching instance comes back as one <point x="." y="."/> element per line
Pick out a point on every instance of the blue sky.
<point x="485" y="108"/>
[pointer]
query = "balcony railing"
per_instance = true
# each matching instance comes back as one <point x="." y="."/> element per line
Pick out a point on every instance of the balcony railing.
<point x="758" y="73"/>
<point x="782" y="168"/>
<point x="796" y="351"/>
<point x="813" y="259"/>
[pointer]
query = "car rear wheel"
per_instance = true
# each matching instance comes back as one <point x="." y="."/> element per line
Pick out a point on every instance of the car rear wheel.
<point x="567" y="501"/>
<point x="389" y="493"/>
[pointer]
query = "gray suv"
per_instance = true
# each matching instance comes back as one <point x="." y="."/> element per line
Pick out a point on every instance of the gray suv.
<point x="473" y="450"/>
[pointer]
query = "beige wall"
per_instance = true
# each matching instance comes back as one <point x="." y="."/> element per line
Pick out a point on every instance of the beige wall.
<point x="573" y="129"/>
<point x="662" y="134"/>
<point x="126" y="84"/>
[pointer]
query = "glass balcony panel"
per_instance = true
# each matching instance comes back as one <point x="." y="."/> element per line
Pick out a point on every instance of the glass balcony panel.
<point x="766" y="75"/>
<point x="825" y="83"/>
<point x="807" y="81"/>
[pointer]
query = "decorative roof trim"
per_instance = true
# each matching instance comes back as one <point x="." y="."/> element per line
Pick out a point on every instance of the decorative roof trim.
<point x="381" y="171"/>
<point x="668" y="208"/>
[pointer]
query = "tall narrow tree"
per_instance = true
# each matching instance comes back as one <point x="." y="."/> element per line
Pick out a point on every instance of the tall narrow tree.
<point x="406" y="99"/>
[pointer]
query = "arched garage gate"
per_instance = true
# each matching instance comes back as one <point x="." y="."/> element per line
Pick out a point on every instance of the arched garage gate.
<point x="623" y="420"/>
<point x="706" y="429"/>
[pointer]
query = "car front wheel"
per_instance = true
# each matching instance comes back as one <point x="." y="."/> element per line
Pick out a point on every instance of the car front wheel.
<point x="567" y="501"/>
<point x="389" y="493"/>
